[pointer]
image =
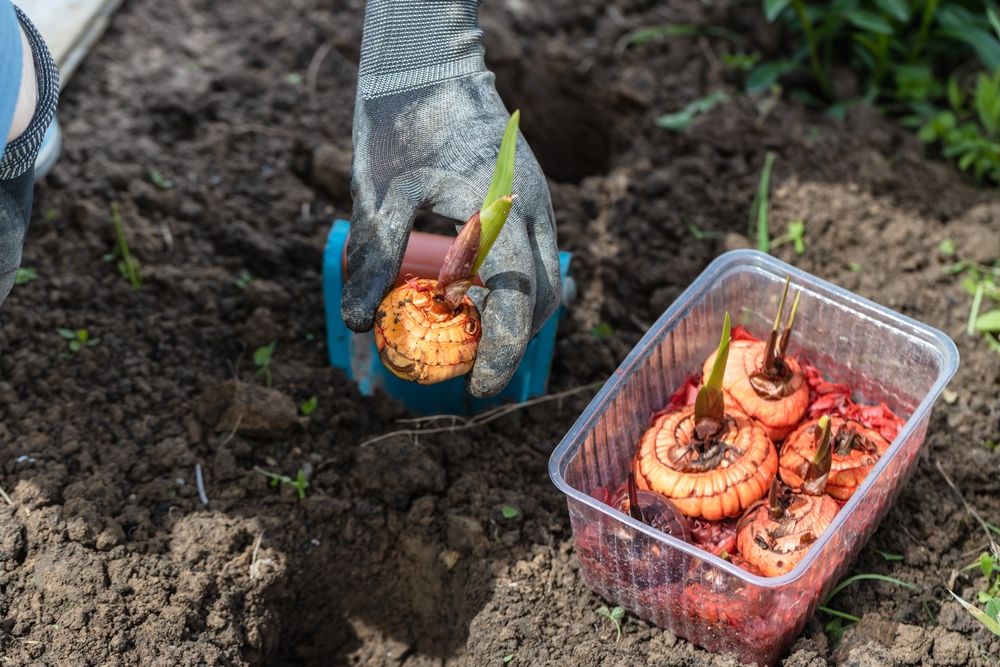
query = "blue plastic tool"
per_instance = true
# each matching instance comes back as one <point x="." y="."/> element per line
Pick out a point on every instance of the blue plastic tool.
<point x="357" y="356"/>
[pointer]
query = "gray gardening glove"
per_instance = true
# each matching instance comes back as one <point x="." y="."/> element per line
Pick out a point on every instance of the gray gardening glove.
<point x="427" y="129"/>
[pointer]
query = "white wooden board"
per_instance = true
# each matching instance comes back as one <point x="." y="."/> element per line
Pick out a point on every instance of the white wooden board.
<point x="69" y="27"/>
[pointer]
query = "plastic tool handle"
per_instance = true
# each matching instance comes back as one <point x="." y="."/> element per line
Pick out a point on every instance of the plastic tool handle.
<point x="423" y="258"/>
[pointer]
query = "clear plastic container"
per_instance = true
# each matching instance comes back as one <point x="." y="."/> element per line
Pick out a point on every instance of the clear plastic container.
<point x="885" y="356"/>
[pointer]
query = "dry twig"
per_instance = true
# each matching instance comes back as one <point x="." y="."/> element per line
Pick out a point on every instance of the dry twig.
<point x="478" y="420"/>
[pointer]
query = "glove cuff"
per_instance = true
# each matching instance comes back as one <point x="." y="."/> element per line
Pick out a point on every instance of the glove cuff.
<point x="410" y="44"/>
<point x="20" y="154"/>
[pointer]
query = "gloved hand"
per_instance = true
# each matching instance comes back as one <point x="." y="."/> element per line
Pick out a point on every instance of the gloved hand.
<point x="427" y="129"/>
<point x="17" y="165"/>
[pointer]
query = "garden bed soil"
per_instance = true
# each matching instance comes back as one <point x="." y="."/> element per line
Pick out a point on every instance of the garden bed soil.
<point x="400" y="553"/>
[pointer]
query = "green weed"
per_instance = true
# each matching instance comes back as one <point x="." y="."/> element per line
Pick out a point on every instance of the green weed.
<point x="796" y="235"/>
<point x="127" y="265"/>
<point x="309" y="406"/>
<point x="300" y="483"/>
<point x="678" y="122"/>
<point x="615" y="615"/>
<point x="895" y="46"/>
<point x="990" y="596"/>
<point x="601" y="331"/>
<point x="982" y="281"/>
<point x="262" y="359"/>
<point x="244" y="280"/>
<point x="836" y="627"/>
<point x="78" y="339"/>
<point x="159" y="180"/>
<point x="24" y="276"/>
<point x="758" y="209"/>
<point x="509" y="512"/>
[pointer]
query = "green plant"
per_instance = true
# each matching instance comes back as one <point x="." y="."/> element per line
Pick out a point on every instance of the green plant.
<point x="262" y="358"/>
<point x="309" y="406"/>
<point x="796" y="234"/>
<point x="24" y="276"/>
<point x="159" y="180"/>
<point x="300" y="483"/>
<point x="243" y="282"/>
<point x="601" y="330"/>
<point x="836" y="627"/>
<point x="990" y="596"/>
<point x="981" y="281"/>
<point x="127" y="265"/>
<point x="677" y="122"/>
<point x="895" y="46"/>
<point x="78" y="339"/>
<point x="758" y="209"/>
<point x="509" y="512"/>
<point x="698" y="234"/>
<point x="970" y="130"/>
<point x="615" y="615"/>
<point x="889" y="557"/>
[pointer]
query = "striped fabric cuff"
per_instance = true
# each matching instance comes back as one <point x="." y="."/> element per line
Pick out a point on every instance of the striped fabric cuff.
<point x="20" y="154"/>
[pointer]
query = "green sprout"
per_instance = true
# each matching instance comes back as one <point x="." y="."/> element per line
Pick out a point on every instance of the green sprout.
<point x="836" y="627"/>
<point x="309" y="406"/>
<point x="698" y="234"/>
<point x="509" y="512"/>
<point x="758" y="209"/>
<point x="889" y="557"/>
<point x="990" y="596"/>
<point x="300" y="483"/>
<point x="78" y="339"/>
<point x="25" y="276"/>
<point x="159" y="181"/>
<point x="616" y="616"/>
<point x="796" y="234"/>
<point x="601" y="331"/>
<point x="128" y="266"/>
<point x="243" y="282"/>
<point x="982" y="281"/>
<point x="262" y="358"/>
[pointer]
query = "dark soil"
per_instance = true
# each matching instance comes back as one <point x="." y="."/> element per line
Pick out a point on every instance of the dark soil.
<point x="399" y="553"/>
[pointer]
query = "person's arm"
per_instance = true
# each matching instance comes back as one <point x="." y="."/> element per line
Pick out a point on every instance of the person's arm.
<point x="26" y="130"/>
<point x="427" y="128"/>
<point x="27" y="94"/>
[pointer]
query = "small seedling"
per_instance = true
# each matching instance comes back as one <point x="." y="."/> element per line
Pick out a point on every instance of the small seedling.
<point x="293" y="78"/>
<point x="78" y="339"/>
<point x="854" y="266"/>
<point x="300" y="483"/>
<point x="835" y="629"/>
<point x="507" y="658"/>
<point x="24" y="276"/>
<point x="981" y="281"/>
<point x="678" y="122"/>
<point x="616" y="615"/>
<point x="309" y="406"/>
<point x="889" y="557"/>
<point x="601" y="331"/>
<point x="947" y="248"/>
<point x="796" y="234"/>
<point x="243" y="282"/>
<point x="128" y="266"/>
<point x="509" y="512"/>
<point x="758" y="209"/>
<point x="262" y="358"/>
<point x="50" y="215"/>
<point x="159" y="181"/>
<point x="698" y="234"/>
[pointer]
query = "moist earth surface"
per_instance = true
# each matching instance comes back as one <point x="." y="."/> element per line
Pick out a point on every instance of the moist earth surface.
<point x="400" y="552"/>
